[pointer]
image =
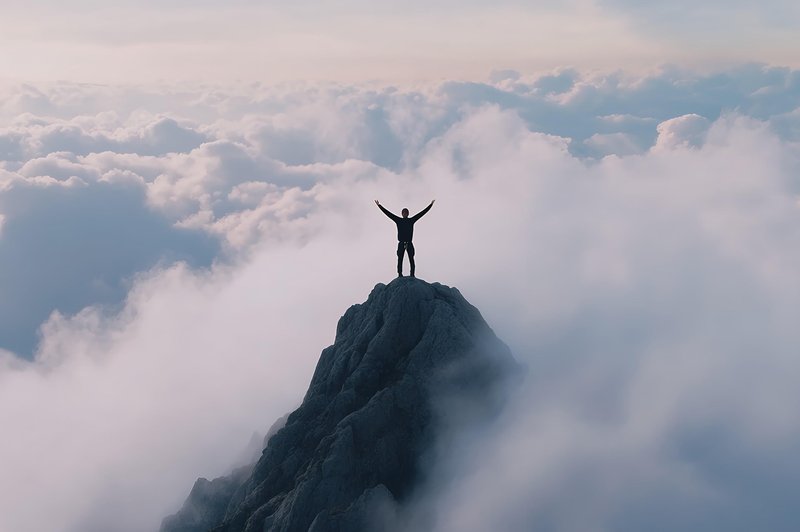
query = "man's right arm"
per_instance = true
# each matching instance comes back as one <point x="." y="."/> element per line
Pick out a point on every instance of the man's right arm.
<point x="386" y="212"/>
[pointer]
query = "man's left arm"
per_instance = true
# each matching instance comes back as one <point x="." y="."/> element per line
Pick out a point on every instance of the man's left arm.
<point x="423" y="212"/>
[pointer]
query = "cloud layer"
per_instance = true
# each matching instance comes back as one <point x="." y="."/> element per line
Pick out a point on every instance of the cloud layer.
<point x="170" y="172"/>
<point x="653" y="297"/>
<point x="633" y="239"/>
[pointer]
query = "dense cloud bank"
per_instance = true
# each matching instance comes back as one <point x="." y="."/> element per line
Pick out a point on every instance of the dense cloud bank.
<point x="189" y="172"/>
<point x="635" y="241"/>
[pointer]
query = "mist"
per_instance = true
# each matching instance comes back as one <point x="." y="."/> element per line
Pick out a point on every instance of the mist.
<point x="652" y="296"/>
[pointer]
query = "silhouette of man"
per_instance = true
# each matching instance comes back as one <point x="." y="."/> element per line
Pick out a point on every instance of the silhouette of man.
<point x="405" y="233"/>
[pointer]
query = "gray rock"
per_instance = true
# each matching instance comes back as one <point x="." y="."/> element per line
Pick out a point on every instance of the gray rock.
<point x="356" y="448"/>
<point x="207" y="503"/>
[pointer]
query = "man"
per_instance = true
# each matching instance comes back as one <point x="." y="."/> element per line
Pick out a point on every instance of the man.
<point x="405" y="233"/>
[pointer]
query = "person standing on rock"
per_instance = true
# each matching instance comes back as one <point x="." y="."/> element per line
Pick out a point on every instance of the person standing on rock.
<point x="405" y="233"/>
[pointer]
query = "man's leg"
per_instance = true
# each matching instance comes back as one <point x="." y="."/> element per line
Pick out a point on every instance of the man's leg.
<point x="400" y="250"/>
<point x="410" y="249"/>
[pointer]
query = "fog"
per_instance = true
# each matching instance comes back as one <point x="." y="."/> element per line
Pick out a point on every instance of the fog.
<point x="652" y="295"/>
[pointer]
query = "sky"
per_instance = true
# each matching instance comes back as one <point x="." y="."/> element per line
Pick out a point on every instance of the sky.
<point x="186" y="209"/>
<point x="130" y="41"/>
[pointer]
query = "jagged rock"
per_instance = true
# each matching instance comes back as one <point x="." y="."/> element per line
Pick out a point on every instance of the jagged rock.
<point x="207" y="502"/>
<point x="356" y="447"/>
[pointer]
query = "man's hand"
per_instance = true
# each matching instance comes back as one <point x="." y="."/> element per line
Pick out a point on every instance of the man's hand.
<point x="378" y="203"/>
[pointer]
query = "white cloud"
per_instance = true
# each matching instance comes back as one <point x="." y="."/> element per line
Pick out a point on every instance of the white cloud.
<point x="621" y="144"/>
<point x="75" y="238"/>
<point x="134" y="407"/>
<point x="193" y="151"/>
<point x="653" y="295"/>
<point x="683" y="131"/>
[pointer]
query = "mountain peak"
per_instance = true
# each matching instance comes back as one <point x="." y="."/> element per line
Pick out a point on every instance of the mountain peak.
<point x="369" y="416"/>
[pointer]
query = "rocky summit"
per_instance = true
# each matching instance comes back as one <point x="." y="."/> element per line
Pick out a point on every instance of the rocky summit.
<point x="414" y="361"/>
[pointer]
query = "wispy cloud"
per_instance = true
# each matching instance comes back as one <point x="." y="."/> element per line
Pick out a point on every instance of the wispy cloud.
<point x="652" y="291"/>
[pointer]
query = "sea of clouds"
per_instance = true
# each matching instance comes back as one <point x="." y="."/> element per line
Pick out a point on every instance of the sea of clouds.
<point x="174" y="258"/>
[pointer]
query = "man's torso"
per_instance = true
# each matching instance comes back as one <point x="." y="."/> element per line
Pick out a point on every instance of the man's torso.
<point x="405" y="229"/>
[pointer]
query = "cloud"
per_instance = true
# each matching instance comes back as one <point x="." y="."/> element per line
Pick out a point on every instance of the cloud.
<point x="652" y="292"/>
<point x="621" y="144"/>
<point x="236" y="163"/>
<point x="67" y="244"/>
<point x="84" y="135"/>
<point x="687" y="131"/>
<point x="134" y="406"/>
<point x="653" y="298"/>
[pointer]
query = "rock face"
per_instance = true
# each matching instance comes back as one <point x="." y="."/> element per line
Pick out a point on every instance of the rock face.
<point x="412" y="360"/>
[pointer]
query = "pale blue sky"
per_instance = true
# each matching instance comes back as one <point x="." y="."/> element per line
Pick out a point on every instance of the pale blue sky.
<point x="391" y="41"/>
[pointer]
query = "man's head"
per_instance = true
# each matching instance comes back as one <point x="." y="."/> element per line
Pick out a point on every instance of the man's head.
<point x="405" y="213"/>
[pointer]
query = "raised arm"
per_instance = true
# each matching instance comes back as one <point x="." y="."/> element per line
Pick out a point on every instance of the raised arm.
<point x="386" y="212"/>
<point x="423" y="212"/>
